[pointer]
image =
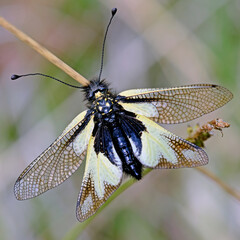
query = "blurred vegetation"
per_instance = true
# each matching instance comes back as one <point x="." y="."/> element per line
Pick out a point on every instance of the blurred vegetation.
<point x="155" y="43"/>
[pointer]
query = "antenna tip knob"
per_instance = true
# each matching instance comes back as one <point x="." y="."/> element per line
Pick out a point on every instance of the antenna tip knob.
<point x="14" y="77"/>
<point x="114" y="11"/>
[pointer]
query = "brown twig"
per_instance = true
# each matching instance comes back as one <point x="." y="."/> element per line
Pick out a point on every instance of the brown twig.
<point x="43" y="51"/>
<point x="217" y="180"/>
<point x="198" y="135"/>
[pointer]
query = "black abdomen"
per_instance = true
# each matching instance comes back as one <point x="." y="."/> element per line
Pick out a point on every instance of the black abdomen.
<point x="115" y="130"/>
<point x="130" y="163"/>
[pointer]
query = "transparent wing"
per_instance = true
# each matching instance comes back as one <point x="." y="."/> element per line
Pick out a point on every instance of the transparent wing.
<point x="101" y="178"/>
<point x="58" y="162"/>
<point x="175" y="105"/>
<point x="162" y="149"/>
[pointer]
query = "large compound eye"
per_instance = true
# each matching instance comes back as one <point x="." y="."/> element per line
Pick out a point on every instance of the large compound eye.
<point x="102" y="88"/>
<point x="90" y="95"/>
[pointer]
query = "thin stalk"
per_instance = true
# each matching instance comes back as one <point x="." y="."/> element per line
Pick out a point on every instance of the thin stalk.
<point x="220" y="183"/>
<point x="76" y="231"/>
<point x="43" y="51"/>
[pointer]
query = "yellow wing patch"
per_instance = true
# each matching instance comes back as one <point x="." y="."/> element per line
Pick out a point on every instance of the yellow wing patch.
<point x="162" y="149"/>
<point x="136" y="92"/>
<point x="146" y="109"/>
<point x="101" y="178"/>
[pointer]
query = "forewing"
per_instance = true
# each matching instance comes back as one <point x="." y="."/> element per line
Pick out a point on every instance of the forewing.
<point x="58" y="162"/>
<point x="162" y="149"/>
<point x="101" y="178"/>
<point x="175" y="105"/>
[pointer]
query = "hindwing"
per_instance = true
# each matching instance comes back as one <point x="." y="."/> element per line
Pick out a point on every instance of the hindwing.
<point x="162" y="149"/>
<point x="102" y="176"/>
<point x="175" y="105"/>
<point x="58" y="162"/>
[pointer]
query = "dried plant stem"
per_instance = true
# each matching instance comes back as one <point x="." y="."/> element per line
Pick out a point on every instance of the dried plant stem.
<point x="221" y="184"/>
<point x="43" y="51"/>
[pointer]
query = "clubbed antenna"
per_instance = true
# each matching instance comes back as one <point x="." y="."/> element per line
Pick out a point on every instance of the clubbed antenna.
<point x="114" y="11"/>
<point x="15" y="76"/>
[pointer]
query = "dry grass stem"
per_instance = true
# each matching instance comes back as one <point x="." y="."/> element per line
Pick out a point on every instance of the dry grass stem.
<point x="198" y="135"/>
<point x="43" y="51"/>
<point x="220" y="183"/>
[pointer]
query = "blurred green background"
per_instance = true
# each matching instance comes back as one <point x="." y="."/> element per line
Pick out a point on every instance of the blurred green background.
<point x="154" y="43"/>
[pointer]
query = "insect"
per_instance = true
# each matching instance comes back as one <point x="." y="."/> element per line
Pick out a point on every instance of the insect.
<point x="120" y="133"/>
